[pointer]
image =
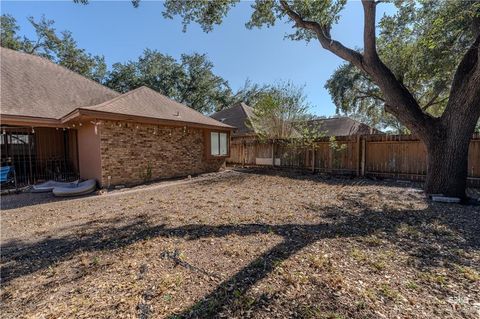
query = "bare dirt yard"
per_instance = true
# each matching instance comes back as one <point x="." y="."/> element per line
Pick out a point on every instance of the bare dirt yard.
<point x="246" y="244"/>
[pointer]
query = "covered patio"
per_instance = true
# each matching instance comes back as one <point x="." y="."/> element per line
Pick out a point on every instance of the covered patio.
<point x="38" y="154"/>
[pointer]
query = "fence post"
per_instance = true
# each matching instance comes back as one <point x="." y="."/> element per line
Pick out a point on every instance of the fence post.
<point x="330" y="158"/>
<point x="273" y="153"/>
<point x="313" y="157"/>
<point x="359" y="154"/>
<point x="244" y="151"/>
<point x="363" y="151"/>
<point x="306" y="158"/>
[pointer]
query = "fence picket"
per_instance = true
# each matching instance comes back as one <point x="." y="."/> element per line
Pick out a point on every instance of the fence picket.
<point x="399" y="156"/>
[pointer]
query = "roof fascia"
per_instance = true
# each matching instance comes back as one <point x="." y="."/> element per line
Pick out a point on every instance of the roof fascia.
<point x="95" y="114"/>
<point x="22" y="120"/>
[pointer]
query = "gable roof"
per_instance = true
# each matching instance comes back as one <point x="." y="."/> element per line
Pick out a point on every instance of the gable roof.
<point x="147" y="103"/>
<point x="343" y="126"/>
<point x="36" y="87"/>
<point x="238" y="115"/>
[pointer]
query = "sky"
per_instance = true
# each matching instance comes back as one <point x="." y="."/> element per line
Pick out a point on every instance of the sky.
<point x="120" y="32"/>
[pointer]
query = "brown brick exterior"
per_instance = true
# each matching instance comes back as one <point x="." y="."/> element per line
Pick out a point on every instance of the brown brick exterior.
<point x="134" y="153"/>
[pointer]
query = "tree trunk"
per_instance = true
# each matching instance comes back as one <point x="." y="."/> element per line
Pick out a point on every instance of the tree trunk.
<point x="447" y="160"/>
<point x="447" y="138"/>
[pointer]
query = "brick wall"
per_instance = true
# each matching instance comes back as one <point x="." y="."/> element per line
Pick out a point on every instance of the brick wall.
<point x="133" y="153"/>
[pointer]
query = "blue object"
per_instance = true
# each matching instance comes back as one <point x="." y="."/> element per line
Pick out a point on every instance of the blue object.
<point x="6" y="174"/>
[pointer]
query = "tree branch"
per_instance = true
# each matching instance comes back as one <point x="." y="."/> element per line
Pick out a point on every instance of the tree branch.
<point x="369" y="38"/>
<point x="466" y="80"/>
<point x="36" y="45"/>
<point x="398" y="100"/>
<point x="323" y="35"/>
<point x="372" y="95"/>
<point x="434" y="100"/>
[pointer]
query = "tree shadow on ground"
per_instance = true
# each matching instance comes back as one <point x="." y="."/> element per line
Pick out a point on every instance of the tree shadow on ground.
<point x="432" y="236"/>
<point x="326" y="177"/>
<point x="339" y="179"/>
<point x="14" y="201"/>
<point x="27" y="198"/>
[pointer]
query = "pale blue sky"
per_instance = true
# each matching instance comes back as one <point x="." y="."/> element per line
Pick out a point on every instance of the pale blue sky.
<point x="120" y="33"/>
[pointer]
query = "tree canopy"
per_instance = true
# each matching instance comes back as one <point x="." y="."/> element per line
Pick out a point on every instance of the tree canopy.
<point x="278" y="109"/>
<point x="414" y="44"/>
<point x="190" y="80"/>
<point x="59" y="47"/>
<point x="250" y="93"/>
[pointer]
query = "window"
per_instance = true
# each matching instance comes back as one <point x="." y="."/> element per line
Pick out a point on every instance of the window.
<point x="18" y="139"/>
<point x="218" y="144"/>
<point x="215" y="143"/>
<point x="223" y="143"/>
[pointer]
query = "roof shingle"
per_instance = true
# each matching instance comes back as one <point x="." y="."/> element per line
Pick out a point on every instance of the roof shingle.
<point x="34" y="86"/>
<point x="343" y="126"/>
<point x="145" y="102"/>
<point x="238" y="116"/>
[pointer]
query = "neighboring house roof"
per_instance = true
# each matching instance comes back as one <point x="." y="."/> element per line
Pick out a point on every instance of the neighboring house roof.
<point x="145" y="102"/>
<point x="343" y="126"/>
<point x="238" y="115"/>
<point x="34" y="86"/>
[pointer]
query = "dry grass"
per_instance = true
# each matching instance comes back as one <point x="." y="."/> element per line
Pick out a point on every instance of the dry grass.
<point x="243" y="245"/>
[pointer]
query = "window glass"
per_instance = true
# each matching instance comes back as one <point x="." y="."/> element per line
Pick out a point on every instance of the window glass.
<point x="18" y="139"/>
<point x="223" y="143"/>
<point x="215" y="150"/>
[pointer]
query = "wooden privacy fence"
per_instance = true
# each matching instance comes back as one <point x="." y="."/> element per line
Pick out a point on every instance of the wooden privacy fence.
<point x="389" y="156"/>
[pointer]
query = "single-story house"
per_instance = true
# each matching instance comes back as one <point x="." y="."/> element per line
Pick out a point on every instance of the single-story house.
<point x="239" y="115"/>
<point x="57" y="124"/>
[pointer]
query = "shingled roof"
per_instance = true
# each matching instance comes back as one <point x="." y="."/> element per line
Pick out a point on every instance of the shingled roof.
<point x="34" y="86"/>
<point x="343" y="126"/>
<point x="147" y="103"/>
<point x="238" y="115"/>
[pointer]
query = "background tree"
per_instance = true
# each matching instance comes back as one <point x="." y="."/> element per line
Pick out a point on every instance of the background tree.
<point x="190" y="80"/>
<point x="250" y="93"/>
<point x="8" y="33"/>
<point x="446" y="137"/>
<point x="281" y="114"/>
<point x="279" y="110"/>
<point x="60" y="48"/>
<point x="199" y="87"/>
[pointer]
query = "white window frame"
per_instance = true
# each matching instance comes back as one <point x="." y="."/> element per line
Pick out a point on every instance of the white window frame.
<point x="218" y="145"/>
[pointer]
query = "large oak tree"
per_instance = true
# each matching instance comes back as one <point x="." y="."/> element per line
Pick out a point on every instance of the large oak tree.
<point x="414" y="33"/>
<point x="446" y="137"/>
